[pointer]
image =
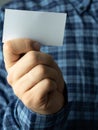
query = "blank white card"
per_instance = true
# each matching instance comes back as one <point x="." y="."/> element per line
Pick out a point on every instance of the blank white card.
<point x="44" y="27"/>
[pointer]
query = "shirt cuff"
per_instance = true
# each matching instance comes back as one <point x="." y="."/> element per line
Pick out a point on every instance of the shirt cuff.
<point x="28" y="119"/>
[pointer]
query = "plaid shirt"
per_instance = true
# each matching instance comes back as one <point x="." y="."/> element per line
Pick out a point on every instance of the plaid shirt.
<point x="78" y="61"/>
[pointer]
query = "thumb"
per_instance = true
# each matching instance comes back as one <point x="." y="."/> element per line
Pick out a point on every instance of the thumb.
<point x="14" y="49"/>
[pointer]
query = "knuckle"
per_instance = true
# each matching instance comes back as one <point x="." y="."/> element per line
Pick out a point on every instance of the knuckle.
<point x="48" y="81"/>
<point x="41" y="69"/>
<point x="32" y="102"/>
<point x="26" y="99"/>
<point x="51" y="85"/>
<point x="32" y="56"/>
<point x="28" y="43"/>
<point x="7" y="46"/>
<point x="10" y="78"/>
<point x="16" y="91"/>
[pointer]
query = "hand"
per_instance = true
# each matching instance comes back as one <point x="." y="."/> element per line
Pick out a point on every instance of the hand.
<point x="34" y="76"/>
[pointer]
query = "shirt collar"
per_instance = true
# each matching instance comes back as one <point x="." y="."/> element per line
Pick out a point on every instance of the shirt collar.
<point x="80" y="5"/>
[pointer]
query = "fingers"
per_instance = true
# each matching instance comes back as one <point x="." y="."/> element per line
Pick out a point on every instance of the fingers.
<point x="28" y="62"/>
<point x="44" y="98"/>
<point x="39" y="93"/>
<point x="33" y="77"/>
<point x="13" y="50"/>
<point x="19" y="46"/>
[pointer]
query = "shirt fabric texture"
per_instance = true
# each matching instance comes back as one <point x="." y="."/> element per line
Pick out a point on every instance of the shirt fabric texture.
<point x="78" y="61"/>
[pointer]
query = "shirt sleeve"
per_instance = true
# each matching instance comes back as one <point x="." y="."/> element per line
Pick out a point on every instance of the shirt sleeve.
<point x="14" y="115"/>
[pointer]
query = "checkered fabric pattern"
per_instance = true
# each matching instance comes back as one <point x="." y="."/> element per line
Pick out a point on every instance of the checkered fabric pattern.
<point x="78" y="61"/>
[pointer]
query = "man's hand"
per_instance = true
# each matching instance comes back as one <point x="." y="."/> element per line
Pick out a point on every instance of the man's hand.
<point x="34" y="76"/>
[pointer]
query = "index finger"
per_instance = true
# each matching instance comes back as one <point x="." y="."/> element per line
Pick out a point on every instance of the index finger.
<point x="13" y="49"/>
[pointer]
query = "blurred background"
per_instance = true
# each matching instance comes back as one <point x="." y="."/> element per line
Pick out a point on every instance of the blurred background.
<point x="3" y="2"/>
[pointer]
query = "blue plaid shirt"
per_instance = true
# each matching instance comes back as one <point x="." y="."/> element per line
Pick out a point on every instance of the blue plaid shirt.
<point x="78" y="61"/>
